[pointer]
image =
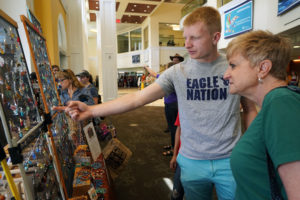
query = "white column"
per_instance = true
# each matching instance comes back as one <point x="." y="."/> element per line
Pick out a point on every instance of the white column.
<point x="154" y="49"/>
<point x="84" y="8"/>
<point x="75" y="36"/>
<point x="107" y="50"/>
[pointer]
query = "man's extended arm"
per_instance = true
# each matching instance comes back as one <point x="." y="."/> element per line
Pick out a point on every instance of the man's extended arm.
<point x="80" y="111"/>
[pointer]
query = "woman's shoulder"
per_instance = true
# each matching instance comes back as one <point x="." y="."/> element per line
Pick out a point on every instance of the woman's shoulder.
<point x="283" y="94"/>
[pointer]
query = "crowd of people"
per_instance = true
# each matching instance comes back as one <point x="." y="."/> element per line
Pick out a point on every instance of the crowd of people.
<point x="264" y="163"/>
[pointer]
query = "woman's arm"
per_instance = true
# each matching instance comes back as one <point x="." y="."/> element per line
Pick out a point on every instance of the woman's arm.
<point x="290" y="177"/>
<point x="173" y="162"/>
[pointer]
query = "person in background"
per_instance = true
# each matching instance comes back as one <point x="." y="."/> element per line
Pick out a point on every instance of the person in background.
<point x="178" y="191"/>
<point x="36" y="91"/>
<point x="143" y="80"/>
<point x="85" y="79"/>
<point x="72" y="89"/>
<point x="55" y="68"/>
<point x="176" y="58"/>
<point x="172" y="99"/>
<point x="294" y="79"/>
<point x="209" y="117"/>
<point x="257" y="70"/>
<point x="171" y="108"/>
<point x="97" y="82"/>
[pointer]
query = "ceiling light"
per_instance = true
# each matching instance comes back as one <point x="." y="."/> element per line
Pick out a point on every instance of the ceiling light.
<point x="296" y="60"/>
<point x="94" y="30"/>
<point x="296" y="47"/>
<point x="148" y="6"/>
<point x="132" y="10"/>
<point x="97" y="2"/>
<point x="97" y="7"/>
<point x="134" y="5"/>
<point x="145" y="10"/>
<point x="175" y="27"/>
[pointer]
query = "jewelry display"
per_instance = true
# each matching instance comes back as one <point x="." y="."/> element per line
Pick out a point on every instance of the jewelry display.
<point x="39" y="49"/>
<point x="55" y="161"/>
<point x="34" y="21"/>
<point x="16" y="95"/>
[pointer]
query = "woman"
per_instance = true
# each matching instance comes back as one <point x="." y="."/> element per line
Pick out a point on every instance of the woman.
<point x="86" y="80"/>
<point x="72" y="89"/>
<point x="257" y="70"/>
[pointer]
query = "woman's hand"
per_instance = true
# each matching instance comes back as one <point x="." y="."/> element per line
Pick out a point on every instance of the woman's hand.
<point x="173" y="163"/>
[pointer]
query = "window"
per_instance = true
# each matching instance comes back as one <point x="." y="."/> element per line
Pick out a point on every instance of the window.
<point x="123" y="43"/>
<point x="146" y="38"/>
<point x="221" y="3"/>
<point x="136" y="40"/>
<point x="170" y="35"/>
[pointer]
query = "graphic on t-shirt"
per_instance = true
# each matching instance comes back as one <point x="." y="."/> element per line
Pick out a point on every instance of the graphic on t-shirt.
<point x="207" y="88"/>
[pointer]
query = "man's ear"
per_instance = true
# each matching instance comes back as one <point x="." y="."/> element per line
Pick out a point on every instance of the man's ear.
<point x="264" y="68"/>
<point x="216" y="38"/>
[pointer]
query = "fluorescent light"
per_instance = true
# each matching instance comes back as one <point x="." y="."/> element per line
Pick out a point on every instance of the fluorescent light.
<point x="94" y="30"/>
<point x="296" y="47"/>
<point x="175" y="27"/>
<point x="133" y="125"/>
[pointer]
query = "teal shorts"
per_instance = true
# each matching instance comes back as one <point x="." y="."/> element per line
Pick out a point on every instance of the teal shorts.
<point x="199" y="176"/>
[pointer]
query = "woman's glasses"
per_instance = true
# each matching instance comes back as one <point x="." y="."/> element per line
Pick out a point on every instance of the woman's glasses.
<point x="60" y="80"/>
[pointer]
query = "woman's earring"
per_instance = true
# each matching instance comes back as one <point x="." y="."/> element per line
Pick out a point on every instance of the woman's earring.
<point x="260" y="80"/>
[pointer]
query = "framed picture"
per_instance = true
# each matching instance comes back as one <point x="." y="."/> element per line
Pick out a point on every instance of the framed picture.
<point x="238" y="19"/>
<point x="92" y="140"/>
<point x="285" y="5"/>
<point x="136" y="59"/>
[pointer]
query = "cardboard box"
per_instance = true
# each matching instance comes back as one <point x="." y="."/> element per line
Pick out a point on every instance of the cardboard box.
<point x="116" y="156"/>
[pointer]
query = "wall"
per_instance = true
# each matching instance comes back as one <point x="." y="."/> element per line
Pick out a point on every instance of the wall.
<point x="125" y="59"/>
<point x="47" y="12"/>
<point x="13" y="11"/>
<point x="265" y="18"/>
<point x="166" y="13"/>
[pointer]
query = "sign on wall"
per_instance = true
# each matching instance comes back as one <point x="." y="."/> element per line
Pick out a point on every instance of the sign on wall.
<point x="136" y="59"/>
<point x="238" y="19"/>
<point x="285" y="5"/>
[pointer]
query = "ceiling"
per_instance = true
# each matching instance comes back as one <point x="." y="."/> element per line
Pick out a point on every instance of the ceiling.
<point x="130" y="13"/>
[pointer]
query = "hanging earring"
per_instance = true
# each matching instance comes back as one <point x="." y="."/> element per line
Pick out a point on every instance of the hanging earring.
<point x="260" y="80"/>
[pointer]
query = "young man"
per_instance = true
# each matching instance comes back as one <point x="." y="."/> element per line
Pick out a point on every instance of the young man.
<point x="209" y="116"/>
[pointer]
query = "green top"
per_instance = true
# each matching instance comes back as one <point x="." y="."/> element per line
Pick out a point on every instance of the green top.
<point x="277" y="129"/>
